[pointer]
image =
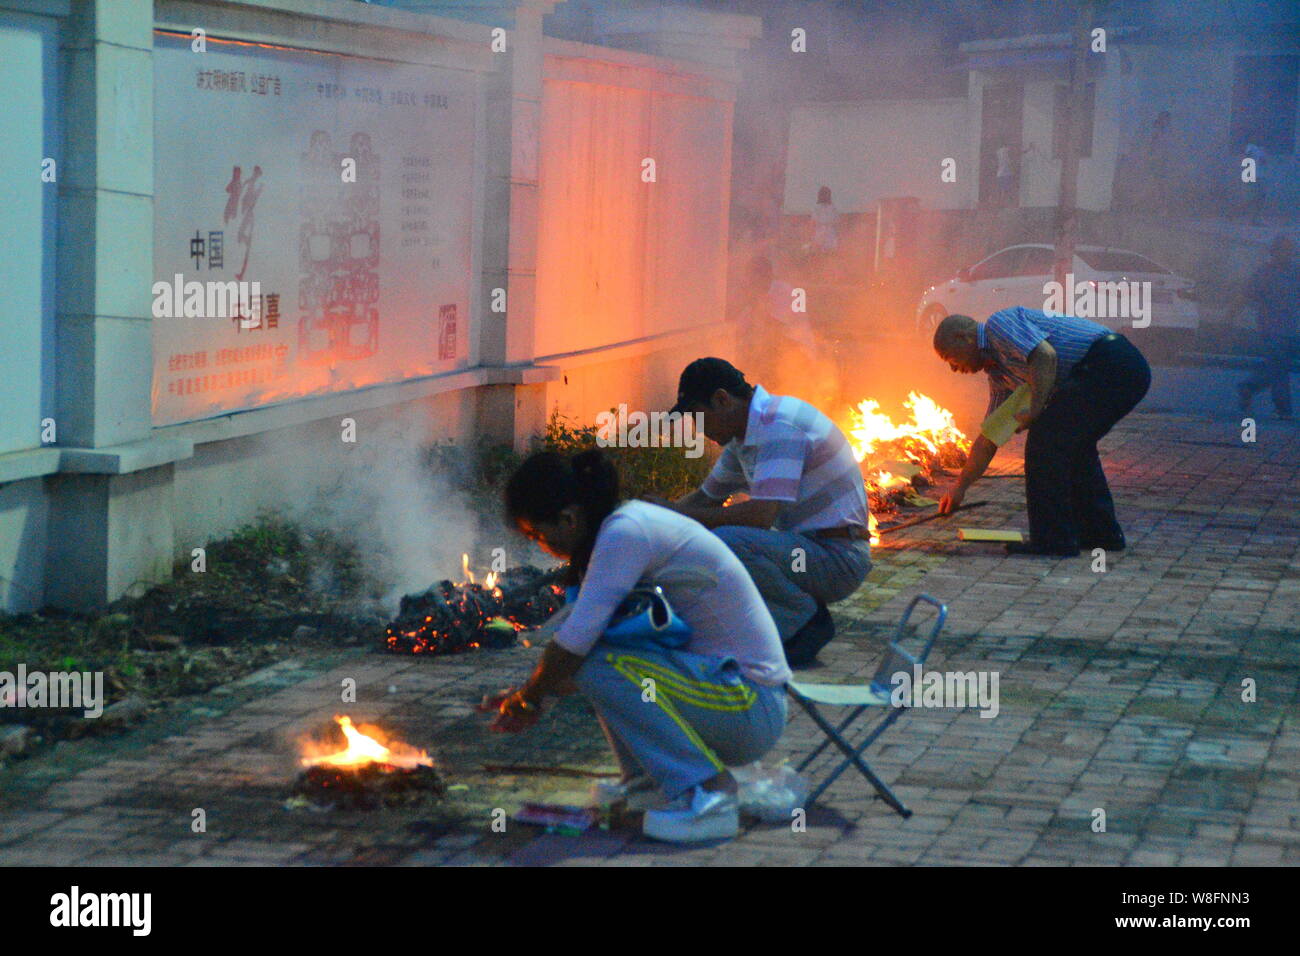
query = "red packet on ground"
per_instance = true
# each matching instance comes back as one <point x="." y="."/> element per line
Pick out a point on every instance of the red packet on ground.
<point x="561" y="818"/>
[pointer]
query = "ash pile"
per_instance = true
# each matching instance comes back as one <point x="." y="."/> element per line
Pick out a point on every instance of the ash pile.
<point x="373" y="786"/>
<point x="450" y="618"/>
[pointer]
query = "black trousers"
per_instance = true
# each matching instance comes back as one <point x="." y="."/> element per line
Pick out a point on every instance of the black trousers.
<point x="1068" y="498"/>
<point x="1274" y="374"/>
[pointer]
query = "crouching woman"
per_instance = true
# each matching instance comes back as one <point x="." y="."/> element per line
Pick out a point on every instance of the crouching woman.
<point x="679" y="704"/>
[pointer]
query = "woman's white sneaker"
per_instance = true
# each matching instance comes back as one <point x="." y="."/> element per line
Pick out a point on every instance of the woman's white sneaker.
<point x="639" y="793"/>
<point x="696" y="817"/>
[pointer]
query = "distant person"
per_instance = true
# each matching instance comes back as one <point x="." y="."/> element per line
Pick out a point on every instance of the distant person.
<point x="779" y="342"/>
<point x="1083" y="379"/>
<point x="768" y="318"/>
<point x="802" y="534"/>
<point x="826" y="219"/>
<point x="1008" y="174"/>
<point x="1258" y="195"/>
<point x="1274" y="291"/>
<point x="1156" y="160"/>
<point x="719" y="695"/>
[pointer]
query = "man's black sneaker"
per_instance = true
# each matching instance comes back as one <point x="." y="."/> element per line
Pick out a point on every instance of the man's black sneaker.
<point x="1106" y="544"/>
<point x="803" y="646"/>
<point x="1030" y="549"/>
<point x="1244" y="395"/>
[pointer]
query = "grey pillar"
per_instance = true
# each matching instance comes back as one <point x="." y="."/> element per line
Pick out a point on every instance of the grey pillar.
<point x="110" y="524"/>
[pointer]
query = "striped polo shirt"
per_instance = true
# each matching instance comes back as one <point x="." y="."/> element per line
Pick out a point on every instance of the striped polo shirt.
<point x="793" y="454"/>
<point x="1011" y="334"/>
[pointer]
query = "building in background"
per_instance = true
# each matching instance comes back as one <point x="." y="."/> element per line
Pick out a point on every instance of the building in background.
<point x="224" y="249"/>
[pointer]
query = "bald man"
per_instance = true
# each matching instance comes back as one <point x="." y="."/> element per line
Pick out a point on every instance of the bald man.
<point x="1083" y="378"/>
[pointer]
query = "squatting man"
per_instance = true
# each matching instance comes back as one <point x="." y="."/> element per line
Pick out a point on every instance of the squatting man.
<point x="802" y="534"/>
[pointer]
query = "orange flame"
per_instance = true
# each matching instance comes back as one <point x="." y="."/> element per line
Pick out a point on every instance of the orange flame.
<point x="877" y="440"/>
<point x="931" y="426"/>
<point x="489" y="582"/>
<point x="884" y="480"/>
<point x="363" y="748"/>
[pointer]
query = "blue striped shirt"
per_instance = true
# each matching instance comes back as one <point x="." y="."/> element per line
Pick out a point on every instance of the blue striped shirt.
<point x="793" y="454"/>
<point x="1011" y="334"/>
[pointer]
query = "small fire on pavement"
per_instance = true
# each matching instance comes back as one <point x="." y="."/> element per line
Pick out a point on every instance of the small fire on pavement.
<point x="367" y="772"/>
<point x="452" y="617"/>
<point x="899" y="458"/>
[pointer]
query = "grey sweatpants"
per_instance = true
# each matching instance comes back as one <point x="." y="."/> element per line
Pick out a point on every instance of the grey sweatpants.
<point x="679" y="717"/>
<point x="793" y="572"/>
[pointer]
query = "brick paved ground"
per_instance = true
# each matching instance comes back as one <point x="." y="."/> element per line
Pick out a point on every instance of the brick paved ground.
<point x="1120" y="690"/>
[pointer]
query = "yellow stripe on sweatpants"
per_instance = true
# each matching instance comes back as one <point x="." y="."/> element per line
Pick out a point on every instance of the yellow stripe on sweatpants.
<point x="699" y="693"/>
<point x="627" y="667"/>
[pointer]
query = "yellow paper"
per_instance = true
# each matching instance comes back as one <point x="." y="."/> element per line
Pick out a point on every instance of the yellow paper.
<point x="988" y="534"/>
<point x="1001" y="425"/>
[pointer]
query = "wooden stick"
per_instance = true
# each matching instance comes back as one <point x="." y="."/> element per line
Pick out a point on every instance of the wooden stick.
<point x="520" y="768"/>
<point x="881" y="532"/>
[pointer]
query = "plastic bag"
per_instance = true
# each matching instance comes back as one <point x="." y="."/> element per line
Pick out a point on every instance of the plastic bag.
<point x="771" y="794"/>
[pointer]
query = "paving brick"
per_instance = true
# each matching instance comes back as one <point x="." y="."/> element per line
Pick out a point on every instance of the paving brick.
<point x="1119" y="690"/>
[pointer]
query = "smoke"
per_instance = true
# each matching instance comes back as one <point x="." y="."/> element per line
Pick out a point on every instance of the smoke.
<point x="408" y="520"/>
<point x="402" y="509"/>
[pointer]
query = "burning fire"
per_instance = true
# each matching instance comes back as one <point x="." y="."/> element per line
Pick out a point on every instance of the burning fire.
<point x="450" y="617"/>
<point x="930" y="429"/>
<point x="364" y="748"/>
<point x="930" y="441"/>
<point x="489" y="582"/>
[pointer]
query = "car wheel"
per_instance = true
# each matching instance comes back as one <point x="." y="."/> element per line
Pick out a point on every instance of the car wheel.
<point x="929" y="320"/>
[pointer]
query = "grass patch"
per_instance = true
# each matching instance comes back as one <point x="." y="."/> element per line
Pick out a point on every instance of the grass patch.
<point x="261" y="585"/>
<point x="483" y="470"/>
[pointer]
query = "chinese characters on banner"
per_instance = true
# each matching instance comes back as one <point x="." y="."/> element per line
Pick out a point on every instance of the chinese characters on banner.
<point x="334" y="197"/>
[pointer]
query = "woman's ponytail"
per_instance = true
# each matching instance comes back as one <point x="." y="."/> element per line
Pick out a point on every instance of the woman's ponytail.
<point x="596" y="487"/>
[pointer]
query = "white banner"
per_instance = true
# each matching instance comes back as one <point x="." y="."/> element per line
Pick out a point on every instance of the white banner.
<point x="313" y="217"/>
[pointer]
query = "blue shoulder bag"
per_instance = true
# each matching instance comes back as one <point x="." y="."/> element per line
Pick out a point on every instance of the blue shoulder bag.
<point x="645" y="617"/>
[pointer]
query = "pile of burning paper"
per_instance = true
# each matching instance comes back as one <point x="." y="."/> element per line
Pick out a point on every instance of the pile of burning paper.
<point x="367" y="773"/>
<point x="897" y="459"/>
<point x="452" y="617"/>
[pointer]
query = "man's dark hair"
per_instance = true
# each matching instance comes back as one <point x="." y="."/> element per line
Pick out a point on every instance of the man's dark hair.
<point x="705" y="376"/>
<point x="548" y="482"/>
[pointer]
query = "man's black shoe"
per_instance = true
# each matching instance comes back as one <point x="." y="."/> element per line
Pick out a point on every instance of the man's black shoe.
<point x="804" y="644"/>
<point x="1029" y="548"/>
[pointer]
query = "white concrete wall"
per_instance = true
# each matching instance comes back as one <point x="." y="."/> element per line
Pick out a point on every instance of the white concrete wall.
<point x="869" y="150"/>
<point x="28" y="77"/>
<point x="628" y="270"/>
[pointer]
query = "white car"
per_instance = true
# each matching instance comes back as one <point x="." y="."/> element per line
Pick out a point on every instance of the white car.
<point x="1016" y="276"/>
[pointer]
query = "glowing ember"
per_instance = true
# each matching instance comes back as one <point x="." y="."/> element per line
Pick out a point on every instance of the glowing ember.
<point x="363" y="749"/>
<point x="884" y="481"/>
<point x="452" y="617"/>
